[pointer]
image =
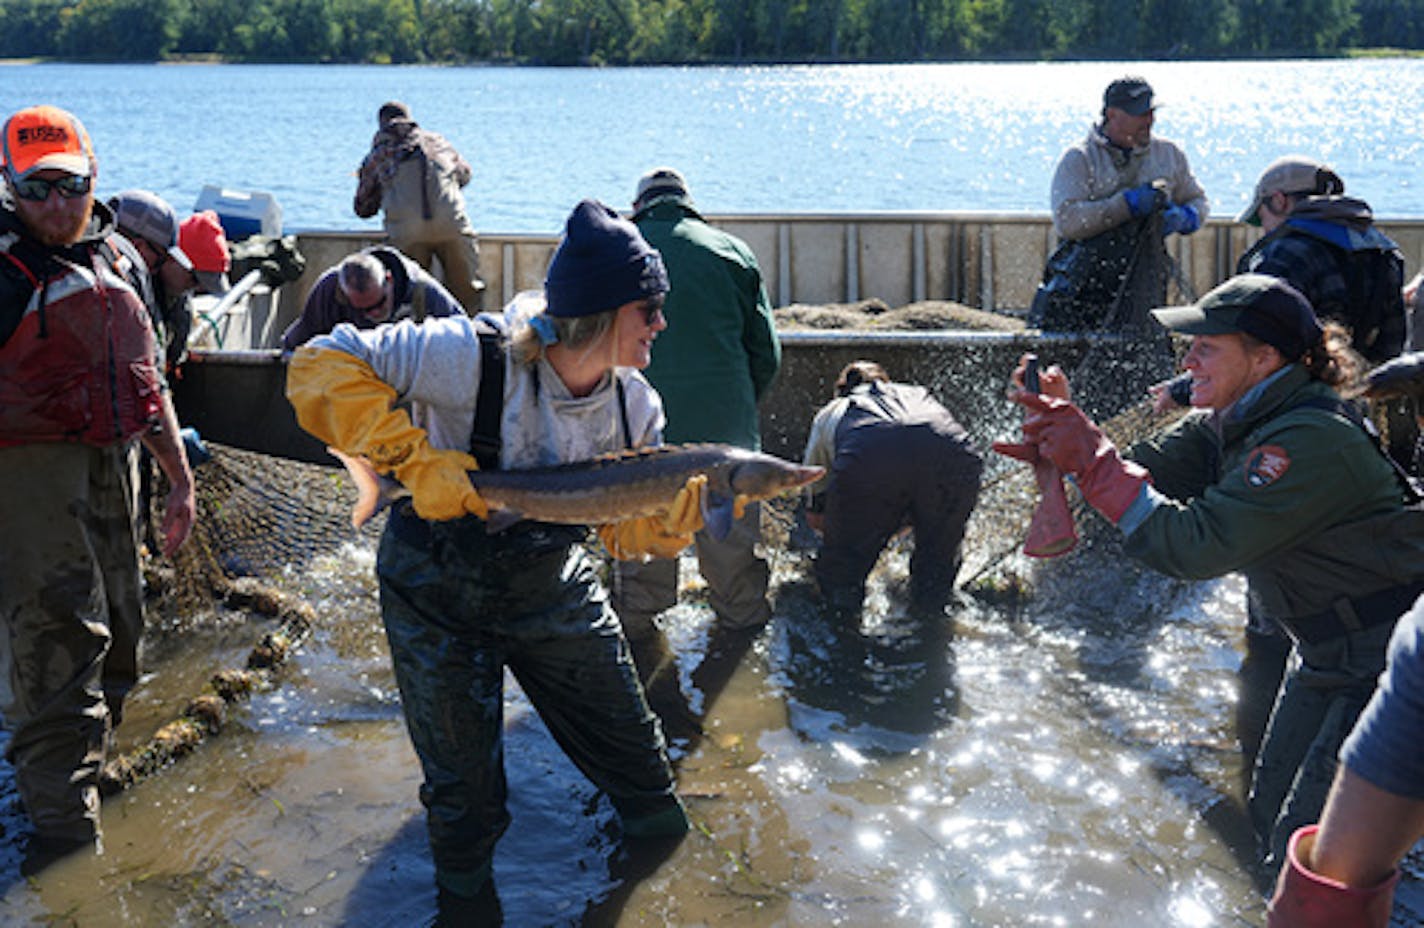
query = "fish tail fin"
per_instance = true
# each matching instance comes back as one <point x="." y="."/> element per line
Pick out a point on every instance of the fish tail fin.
<point x="368" y="486"/>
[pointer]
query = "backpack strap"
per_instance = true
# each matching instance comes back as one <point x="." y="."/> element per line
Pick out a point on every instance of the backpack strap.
<point x="1413" y="492"/>
<point x="485" y="441"/>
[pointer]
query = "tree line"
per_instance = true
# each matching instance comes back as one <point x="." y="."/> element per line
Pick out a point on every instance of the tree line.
<point x="570" y="32"/>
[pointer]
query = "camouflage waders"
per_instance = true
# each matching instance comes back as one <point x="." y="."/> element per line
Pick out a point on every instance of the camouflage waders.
<point x="71" y="603"/>
<point x="459" y="606"/>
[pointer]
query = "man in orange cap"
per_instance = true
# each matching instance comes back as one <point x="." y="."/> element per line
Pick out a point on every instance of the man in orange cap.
<point x="75" y="307"/>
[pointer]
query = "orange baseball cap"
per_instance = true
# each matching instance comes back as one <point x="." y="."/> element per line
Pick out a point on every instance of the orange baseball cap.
<point x="202" y="240"/>
<point x="41" y="137"/>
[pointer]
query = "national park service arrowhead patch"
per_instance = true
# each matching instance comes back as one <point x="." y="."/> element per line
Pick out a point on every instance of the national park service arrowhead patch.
<point x="1265" y="465"/>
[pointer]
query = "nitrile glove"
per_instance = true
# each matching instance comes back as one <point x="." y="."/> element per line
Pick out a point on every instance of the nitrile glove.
<point x="1305" y="899"/>
<point x="194" y="447"/>
<point x="1141" y="200"/>
<point x="1065" y="436"/>
<point x="1183" y="220"/>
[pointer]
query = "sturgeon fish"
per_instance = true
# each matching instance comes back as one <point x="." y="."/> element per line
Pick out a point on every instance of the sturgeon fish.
<point x="608" y="488"/>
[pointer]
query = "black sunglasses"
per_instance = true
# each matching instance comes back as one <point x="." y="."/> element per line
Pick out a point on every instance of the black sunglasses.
<point x="70" y="186"/>
<point x="651" y="310"/>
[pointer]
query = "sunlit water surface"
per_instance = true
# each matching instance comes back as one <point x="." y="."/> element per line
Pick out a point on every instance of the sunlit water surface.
<point x="1066" y="762"/>
<point x="979" y="137"/>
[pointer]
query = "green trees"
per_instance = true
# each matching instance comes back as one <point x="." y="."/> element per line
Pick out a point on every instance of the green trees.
<point x="663" y="31"/>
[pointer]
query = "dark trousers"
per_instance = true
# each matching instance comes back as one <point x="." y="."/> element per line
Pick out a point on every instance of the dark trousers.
<point x="459" y="606"/>
<point x="887" y="476"/>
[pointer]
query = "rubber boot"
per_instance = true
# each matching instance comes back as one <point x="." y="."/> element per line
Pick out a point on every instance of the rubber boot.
<point x="1305" y="899"/>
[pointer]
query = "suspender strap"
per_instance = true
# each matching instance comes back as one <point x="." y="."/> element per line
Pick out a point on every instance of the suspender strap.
<point x="485" y="441"/>
<point x="623" y="413"/>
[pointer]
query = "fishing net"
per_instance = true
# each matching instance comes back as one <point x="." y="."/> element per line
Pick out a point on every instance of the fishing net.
<point x="259" y="519"/>
<point x="260" y="516"/>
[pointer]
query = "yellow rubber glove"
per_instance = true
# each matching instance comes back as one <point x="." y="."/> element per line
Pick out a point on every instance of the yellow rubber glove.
<point x="659" y="536"/>
<point x="340" y="400"/>
<point x="439" y="484"/>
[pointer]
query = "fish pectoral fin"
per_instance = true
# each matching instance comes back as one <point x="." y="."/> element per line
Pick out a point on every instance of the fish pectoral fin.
<point x="501" y="519"/>
<point x="718" y="514"/>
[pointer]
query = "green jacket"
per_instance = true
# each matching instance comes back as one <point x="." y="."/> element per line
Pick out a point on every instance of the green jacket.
<point x="1298" y="499"/>
<point x="719" y="352"/>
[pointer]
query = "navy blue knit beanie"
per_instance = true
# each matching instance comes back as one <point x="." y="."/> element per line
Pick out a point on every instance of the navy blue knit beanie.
<point x="602" y="263"/>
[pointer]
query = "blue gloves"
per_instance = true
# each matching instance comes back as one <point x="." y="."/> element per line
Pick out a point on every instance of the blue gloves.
<point x="1183" y="220"/>
<point x="1142" y="199"/>
<point x="194" y="447"/>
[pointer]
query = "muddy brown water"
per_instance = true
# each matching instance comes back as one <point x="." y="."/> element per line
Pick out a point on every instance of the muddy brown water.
<point x="1062" y="758"/>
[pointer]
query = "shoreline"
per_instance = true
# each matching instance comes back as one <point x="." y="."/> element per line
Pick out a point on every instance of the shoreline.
<point x="210" y="58"/>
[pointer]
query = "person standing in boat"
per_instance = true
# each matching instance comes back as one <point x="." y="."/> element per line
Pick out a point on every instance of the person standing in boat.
<point x="461" y="603"/>
<point x="1115" y="195"/>
<point x="1273" y="477"/>
<point x="416" y="177"/>
<point x="1326" y="244"/>
<point x="894" y="457"/>
<point x="81" y="379"/>
<point x="368" y="288"/>
<point x="721" y="342"/>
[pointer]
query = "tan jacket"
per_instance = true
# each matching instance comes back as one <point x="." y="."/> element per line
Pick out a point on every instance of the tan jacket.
<point x="1091" y="176"/>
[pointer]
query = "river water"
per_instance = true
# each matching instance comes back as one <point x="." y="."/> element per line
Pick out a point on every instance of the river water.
<point x="977" y="137"/>
<point x="1063" y="758"/>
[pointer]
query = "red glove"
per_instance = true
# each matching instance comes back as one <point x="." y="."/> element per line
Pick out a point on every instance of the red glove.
<point x="1305" y="899"/>
<point x="1051" y="532"/>
<point x="1078" y="447"/>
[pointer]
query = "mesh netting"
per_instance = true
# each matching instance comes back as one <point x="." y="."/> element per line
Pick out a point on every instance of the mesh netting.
<point x="996" y="531"/>
<point x="259" y="516"/>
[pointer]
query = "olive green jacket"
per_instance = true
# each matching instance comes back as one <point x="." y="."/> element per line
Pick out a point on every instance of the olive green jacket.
<point x="1299" y="499"/>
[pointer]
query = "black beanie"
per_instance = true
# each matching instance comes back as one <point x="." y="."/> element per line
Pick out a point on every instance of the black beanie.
<point x="602" y="263"/>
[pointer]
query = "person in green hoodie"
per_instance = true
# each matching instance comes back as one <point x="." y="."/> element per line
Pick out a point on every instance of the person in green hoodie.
<point x="713" y="364"/>
<point x="1275" y="477"/>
